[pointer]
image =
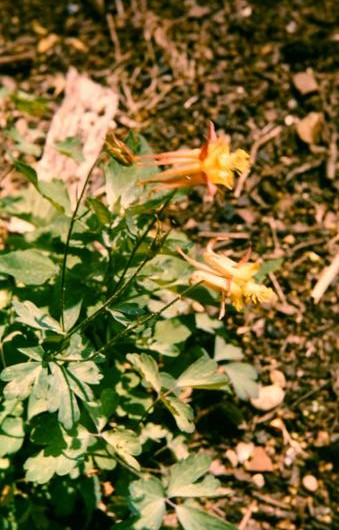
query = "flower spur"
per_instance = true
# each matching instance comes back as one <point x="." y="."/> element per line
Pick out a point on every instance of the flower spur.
<point x="211" y="165"/>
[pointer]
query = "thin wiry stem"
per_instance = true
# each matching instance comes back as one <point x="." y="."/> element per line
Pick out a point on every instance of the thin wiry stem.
<point x="117" y="292"/>
<point x="67" y="245"/>
<point x="154" y="316"/>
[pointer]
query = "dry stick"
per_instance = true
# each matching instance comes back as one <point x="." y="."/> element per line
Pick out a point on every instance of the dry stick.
<point x="114" y="37"/>
<point x="24" y="56"/>
<point x="303" y="169"/>
<point x="277" y="287"/>
<point x="248" y="514"/>
<point x="253" y="155"/>
<point x="327" y="276"/>
<point x="332" y="158"/>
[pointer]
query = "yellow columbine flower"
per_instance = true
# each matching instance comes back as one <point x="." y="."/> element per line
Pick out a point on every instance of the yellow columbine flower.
<point x="231" y="279"/>
<point x="210" y="165"/>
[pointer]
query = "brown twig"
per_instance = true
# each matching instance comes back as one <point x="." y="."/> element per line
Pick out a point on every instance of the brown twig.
<point x="326" y="277"/>
<point x="332" y="157"/>
<point x="114" y="37"/>
<point x="303" y="169"/>
<point x="247" y="516"/>
<point x="18" y="57"/>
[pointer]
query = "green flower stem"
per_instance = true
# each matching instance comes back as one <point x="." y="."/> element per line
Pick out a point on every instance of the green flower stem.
<point x="68" y="240"/>
<point x="154" y="316"/>
<point x="117" y="292"/>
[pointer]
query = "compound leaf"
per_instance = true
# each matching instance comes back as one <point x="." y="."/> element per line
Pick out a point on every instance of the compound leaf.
<point x="30" y="267"/>
<point x="194" y="519"/>
<point x="243" y="378"/>
<point x="148" y="501"/>
<point x="184" y="474"/>
<point x="148" y="368"/>
<point x="202" y="374"/>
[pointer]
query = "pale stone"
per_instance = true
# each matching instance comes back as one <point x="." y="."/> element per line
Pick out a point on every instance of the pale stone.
<point x="269" y="397"/>
<point x="258" y="480"/>
<point x="244" y="451"/>
<point x="310" y="483"/>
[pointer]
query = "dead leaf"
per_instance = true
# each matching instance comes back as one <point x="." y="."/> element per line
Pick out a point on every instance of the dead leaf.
<point x="47" y="43"/>
<point x="77" y="44"/>
<point x="269" y="397"/>
<point x="260" y="462"/>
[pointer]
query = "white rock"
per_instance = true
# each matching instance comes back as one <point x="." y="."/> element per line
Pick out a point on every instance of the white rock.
<point x="244" y="451"/>
<point x="310" y="483"/>
<point x="269" y="397"/>
<point x="259" y="480"/>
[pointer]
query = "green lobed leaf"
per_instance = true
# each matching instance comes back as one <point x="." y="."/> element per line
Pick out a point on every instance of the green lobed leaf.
<point x="71" y="147"/>
<point x="194" y="519"/>
<point x="148" y="502"/>
<point x="38" y="398"/>
<point x="184" y="474"/>
<point x="30" y="267"/>
<point x="202" y="374"/>
<point x="267" y="267"/>
<point x="243" y="378"/>
<point x="182" y="413"/>
<point x="171" y="331"/>
<point x="61" y="397"/>
<point x="101" y="410"/>
<point x="22" y="377"/>
<point x="55" y="191"/>
<point x="63" y="453"/>
<point x="226" y="352"/>
<point x="34" y="352"/>
<point x="41" y="467"/>
<point x="148" y="368"/>
<point x="125" y="444"/>
<point x="36" y="317"/>
<point x="11" y="435"/>
<point x="27" y="171"/>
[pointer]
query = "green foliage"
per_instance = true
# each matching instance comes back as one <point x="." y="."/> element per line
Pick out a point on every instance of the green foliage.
<point x="100" y="350"/>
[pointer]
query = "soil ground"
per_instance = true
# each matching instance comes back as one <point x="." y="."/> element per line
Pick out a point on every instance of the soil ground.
<point x="177" y="65"/>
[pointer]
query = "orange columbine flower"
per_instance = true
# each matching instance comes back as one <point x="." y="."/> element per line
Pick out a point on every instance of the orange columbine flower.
<point x="210" y="165"/>
<point x="231" y="279"/>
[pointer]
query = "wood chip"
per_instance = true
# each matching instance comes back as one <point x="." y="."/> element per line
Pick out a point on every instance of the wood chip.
<point x="260" y="462"/>
<point x="46" y="43"/>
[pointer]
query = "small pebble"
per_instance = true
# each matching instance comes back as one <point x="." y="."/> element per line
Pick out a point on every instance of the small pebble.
<point x="310" y="483"/>
<point x="259" y="480"/>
